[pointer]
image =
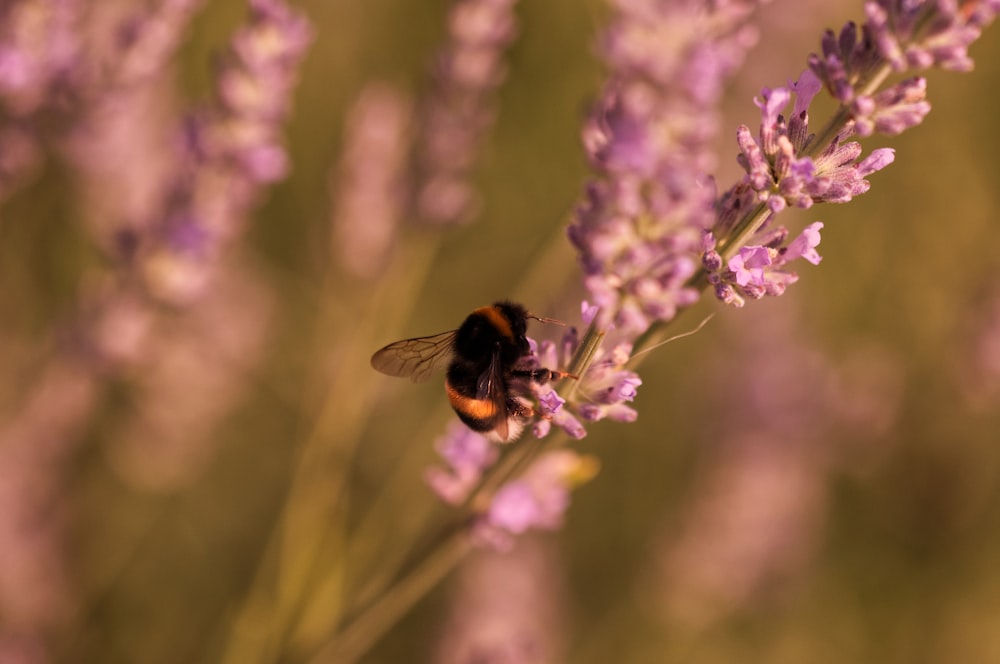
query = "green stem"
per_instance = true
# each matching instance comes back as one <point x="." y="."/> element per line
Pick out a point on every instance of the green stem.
<point x="740" y="235"/>
<point x="360" y="634"/>
<point x="582" y="359"/>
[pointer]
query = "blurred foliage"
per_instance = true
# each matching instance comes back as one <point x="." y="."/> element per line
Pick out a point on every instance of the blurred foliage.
<point x="903" y="569"/>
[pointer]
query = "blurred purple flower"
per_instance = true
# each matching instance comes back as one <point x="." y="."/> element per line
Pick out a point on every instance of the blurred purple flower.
<point x="467" y="455"/>
<point x="37" y="447"/>
<point x="507" y="608"/>
<point x="752" y="524"/>
<point x="536" y="500"/>
<point x="43" y="65"/>
<point x="913" y="35"/>
<point x="455" y="116"/>
<point x="189" y="376"/>
<point x="146" y="39"/>
<point x="757" y="511"/>
<point x="231" y="151"/>
<point x="369" y="186"/>
<point x="42" y="54"/>
<point x="60" y="62"/>
<point x="976" y="366"/>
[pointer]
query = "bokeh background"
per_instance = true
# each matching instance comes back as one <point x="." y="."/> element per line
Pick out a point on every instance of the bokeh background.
<point x="811" y="478"/>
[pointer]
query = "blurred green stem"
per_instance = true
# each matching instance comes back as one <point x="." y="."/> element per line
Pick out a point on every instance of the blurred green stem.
<point x="360" y="634"/>
<point x="313" y="518"/>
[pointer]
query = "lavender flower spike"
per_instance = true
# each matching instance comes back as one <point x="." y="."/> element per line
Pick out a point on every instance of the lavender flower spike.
<point x="458" y="112"/>
<point x="908" y="42"/>
<point x="640" y="228"/>
<point x="148" y="38"/>
<point x="369" y="185"/>
<point x="787" y="165"/>
<point x="234" y="149"/>
<point x="779" y="171"/>
<point x="902" y="35"/>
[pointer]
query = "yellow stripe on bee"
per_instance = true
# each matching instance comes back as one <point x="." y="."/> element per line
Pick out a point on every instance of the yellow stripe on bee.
<point x="497" y="319"/>
<point x="479" y="409"/>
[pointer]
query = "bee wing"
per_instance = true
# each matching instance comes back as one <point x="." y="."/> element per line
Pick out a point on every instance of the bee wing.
<point x="415" y="358"/>
<point x="490" y="386"/>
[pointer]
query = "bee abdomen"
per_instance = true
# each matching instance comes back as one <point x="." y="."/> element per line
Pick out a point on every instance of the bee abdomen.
<point x="478" y="414"/>
<point x="483" y="409"/>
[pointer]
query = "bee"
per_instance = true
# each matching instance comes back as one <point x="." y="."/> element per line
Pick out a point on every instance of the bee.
<point x="484" y="381"/>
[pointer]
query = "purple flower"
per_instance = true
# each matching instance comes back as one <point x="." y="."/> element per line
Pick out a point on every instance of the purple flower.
<point x="844" y="59"/>
<point x="893" y="110"/>
<point x="38" y="441"/>
<point x="977" y="369"/>
<point x="760" y="269"/>
<point x="551" y="402"/>
<point x="639" y="228"/>
<point x="607" y="385"/>
<point x="779" y="172"/>
<point x="748" y="265"/>
<point x="598" y="394"/>
<point x="804" y="246"/>
<point x="625" y="389"/>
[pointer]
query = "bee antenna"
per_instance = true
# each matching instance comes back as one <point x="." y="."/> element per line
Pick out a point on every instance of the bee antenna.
<point x="543" y="319"/>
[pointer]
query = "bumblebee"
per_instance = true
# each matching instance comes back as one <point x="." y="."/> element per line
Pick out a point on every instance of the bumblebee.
<point x="484" y="382"/>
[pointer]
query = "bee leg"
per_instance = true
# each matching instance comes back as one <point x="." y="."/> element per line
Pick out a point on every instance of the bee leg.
<point x="519" y="408"/>
<point x="543" y="375"/>
<point x="559" y="375"/>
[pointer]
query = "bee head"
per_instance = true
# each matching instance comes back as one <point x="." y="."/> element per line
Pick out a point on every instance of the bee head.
<point x="517" y="320"/>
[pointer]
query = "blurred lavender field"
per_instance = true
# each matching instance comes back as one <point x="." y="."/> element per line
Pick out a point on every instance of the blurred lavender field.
<point x="199" y="253"/>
